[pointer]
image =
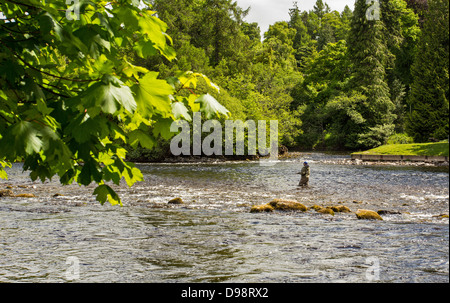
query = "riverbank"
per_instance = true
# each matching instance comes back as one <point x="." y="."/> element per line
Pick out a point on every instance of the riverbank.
<point x="404" y="160"/>
<point x="440" y="149"/>
<point x="342" y="159"/>
<point x="425" y="154"/>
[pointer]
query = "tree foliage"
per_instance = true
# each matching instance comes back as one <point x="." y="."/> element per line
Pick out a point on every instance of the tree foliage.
<point x="83" y="87"/>
<point x="71" y="99"/>
<point x="430" y="89"/>
<point x="366" y="102"/>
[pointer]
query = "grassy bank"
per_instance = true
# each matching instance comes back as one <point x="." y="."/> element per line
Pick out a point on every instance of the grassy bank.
<point x="416" y="149"/>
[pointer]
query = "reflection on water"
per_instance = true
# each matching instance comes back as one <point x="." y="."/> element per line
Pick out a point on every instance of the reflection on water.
<point x="213" y="237"/>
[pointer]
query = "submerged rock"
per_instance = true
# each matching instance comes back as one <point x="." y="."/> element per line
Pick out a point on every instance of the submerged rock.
<point x="279" y="204"/>
<point x="341" y="209"/>
<point x="364" y="214"/>
<point x="262" y="209"/>
<point x="6" y="193"/>
<point x="25" y="196"/>
<point x="388" y="212"/>
<point x="176" y="201"/>
<point x="442" y="216"/>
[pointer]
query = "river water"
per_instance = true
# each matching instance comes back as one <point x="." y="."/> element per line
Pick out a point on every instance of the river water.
<point x="64" y="235"/>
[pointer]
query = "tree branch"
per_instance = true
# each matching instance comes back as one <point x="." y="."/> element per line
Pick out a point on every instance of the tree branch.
<point x="23" y="4"/>
<point x="45" y="73"/>
<point x="52" y="92"/>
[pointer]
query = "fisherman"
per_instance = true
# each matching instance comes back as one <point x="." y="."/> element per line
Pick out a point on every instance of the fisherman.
<point x="304" y="181"/>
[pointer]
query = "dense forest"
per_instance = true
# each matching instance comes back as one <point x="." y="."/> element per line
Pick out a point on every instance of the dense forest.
<point x="89" y="85"/>
<point x="334" y="80"/>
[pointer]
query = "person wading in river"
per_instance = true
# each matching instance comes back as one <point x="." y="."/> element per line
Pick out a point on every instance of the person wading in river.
<point x="304" y="181"/>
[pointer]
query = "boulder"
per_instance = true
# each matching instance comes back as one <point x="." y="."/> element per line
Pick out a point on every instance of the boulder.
<point x="283" y="150"/>
<point x="364" y="214"/>
<point x="176" y="201"/>
<point x="325" y="211"/>
<point x="341" y="209"/>
<point x="262" y="209"/>
<point x="279" y="204"/>
<point x="6" y="193"/>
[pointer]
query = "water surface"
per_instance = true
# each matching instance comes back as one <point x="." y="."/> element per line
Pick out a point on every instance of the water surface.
<point x="214" y="238"/>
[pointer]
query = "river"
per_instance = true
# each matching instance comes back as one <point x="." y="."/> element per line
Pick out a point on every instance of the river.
<point x="64" y="235"/>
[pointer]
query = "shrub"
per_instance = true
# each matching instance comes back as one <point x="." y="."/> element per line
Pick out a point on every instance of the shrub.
<point x="400" y="139"/>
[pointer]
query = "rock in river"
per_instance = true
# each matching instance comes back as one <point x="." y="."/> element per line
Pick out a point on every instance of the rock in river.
<point x="266" y="208"/>
<point x="325" y="211"/>
<point x="176" y="201"/>
<point x="388" y="212"/>
<point x="364" y="214"/>
<point x="25" y="196"/>
<point x="279" y="204"/>
<point x="341" y="209"/>
<point x="6" y="193"/>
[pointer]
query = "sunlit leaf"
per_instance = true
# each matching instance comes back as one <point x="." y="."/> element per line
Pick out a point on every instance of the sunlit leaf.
<point x="211" y="107"/>
<point x="180" y="111"/>
<point x="153" y="96"/>
<point x="104" y="193"/>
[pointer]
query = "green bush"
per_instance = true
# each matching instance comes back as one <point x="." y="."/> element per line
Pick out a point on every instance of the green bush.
<point x="400" y="139"/>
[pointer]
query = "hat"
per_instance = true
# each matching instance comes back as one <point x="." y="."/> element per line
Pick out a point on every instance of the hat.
<point x="306" y="163"/>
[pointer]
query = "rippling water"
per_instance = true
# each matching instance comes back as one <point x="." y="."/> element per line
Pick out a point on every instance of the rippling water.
<point x="64" y="235"/>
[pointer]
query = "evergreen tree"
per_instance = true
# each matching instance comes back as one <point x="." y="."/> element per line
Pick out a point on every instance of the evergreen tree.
<point x="301" y="37"/>
<point x="321" y="8"/>
<point x="347" y="14"/>
<point x="420" y="7"/>
<point x="325" y="78"/>
<point x="346" y="19"/>
<point x="330" y="25"/>
<point x="369" y="54"/>
<point x="430" y="89"/>
<point x="220" y="28"/>
<point x="401" y="35"/>
<point x="302" y="43"/>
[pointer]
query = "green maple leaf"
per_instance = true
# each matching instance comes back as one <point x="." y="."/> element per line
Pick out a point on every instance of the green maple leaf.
<point x="140" y="137"/>
<point x="180" y="111"/>
<point x="104" y="192"/>
<point x="211" y="107"/>
<point x="152" y="96"/>
<point x="27" y="137"/>
<point x="109" y="95"/>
